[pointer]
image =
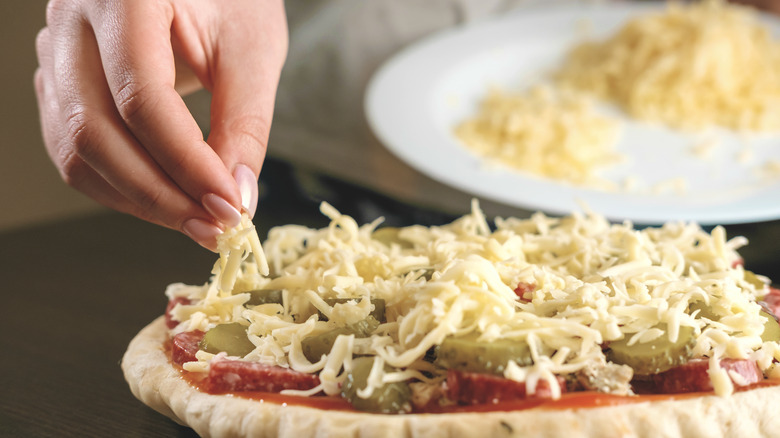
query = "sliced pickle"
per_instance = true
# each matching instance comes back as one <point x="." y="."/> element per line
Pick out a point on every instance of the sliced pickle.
<point x="264" y="296"/>
<point x="316" y="346"/>
<point x="378" y="313"/>
<point x="230" y="338"/>
<point x="705" y="311"/>
<point x="655" y="356"/>
<point x="428" y="274"/>
<point x="467" y="354"/>
<point x="754" y="279"/>
<point x="771" y="331"/>
<point x="390" y="398"/>
<point x="771" y="328"/>
<point x="389" y="236"/>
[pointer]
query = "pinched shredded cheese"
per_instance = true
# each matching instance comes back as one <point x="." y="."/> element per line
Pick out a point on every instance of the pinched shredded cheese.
<point x="592" y="282"/>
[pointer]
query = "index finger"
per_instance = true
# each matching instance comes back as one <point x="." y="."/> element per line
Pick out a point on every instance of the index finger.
<point x="134" y="40"/>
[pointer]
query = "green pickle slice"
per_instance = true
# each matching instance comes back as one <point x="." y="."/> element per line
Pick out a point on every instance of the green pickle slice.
<point x="771" y="331"/>
<point x="264" y="296"/>
<point x="315" y="346"/>
<point x="390" y="398"/>
<point x="771" y="328"/>
<point x="466" y="354"/>
<point x="230" y="338"/>
<point x="705" y="311"/>
<point x="656" y="356"/>
<point x="390" y="236"/>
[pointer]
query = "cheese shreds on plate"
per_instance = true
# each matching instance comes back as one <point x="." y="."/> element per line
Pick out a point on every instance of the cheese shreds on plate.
<point x="565" y="287"/>
<point x="544" y="131"/>
<point x="692" y="66"/>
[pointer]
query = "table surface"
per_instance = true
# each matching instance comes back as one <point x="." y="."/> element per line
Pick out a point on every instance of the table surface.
<point x="76" y="292"/>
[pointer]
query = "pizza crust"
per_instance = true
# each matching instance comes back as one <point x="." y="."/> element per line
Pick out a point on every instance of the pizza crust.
<point x="154" y="381"/>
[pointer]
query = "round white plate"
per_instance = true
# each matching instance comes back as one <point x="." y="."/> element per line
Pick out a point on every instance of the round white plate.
<point x="418" y="97"/>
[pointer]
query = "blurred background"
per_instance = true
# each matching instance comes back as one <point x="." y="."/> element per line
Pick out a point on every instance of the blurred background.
<point x="34" y="194"/>
<point x="32" y="191"/>
<point x="313" y="154"/>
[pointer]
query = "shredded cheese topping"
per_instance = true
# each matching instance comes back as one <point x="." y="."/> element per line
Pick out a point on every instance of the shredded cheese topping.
<point x="593" y="282"/>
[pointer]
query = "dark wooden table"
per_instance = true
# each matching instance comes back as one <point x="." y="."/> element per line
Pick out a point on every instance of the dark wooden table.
<point x="75" y="293"/>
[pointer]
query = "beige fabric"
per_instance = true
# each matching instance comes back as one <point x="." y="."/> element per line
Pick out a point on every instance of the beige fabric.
<point x="158" y="384"/>
<point x="335" y="48"/>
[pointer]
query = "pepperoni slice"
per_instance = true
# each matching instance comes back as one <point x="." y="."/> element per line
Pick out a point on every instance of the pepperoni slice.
<point x="772" y="300"/>
<point x="169" y="321"/>
<point x="522" y="288"/>
<point x="479" y="388"/>
<point x="185" y="345"/>
<point x="693" y="376"/>
<point x="237" y="376"/>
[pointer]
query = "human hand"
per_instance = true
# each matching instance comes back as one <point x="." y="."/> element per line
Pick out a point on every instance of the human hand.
<point x="114" y="124"/>
<point x="766" y="5"/>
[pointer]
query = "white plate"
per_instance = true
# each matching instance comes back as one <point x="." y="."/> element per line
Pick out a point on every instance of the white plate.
<point x="418" y="96"/>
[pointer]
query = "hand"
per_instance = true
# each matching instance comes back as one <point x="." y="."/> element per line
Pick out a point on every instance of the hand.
<point x="114" y="124"/>
<point x="766" y="5"/>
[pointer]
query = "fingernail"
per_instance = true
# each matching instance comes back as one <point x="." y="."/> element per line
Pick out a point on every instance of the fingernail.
<point x="203" y="232"/>
<point x="247" y="184"/>
<point x="221" y="210"/>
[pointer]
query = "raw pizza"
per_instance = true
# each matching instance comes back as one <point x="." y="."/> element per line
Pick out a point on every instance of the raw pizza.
<point x="544" y="326"/>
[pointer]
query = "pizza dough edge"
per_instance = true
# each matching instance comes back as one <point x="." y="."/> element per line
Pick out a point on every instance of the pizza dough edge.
<point x="154" y="381"/>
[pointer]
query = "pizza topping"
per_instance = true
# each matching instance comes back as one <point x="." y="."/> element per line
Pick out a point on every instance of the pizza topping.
<point x="386" y="398"/>
<point x="172" y="303"/>
<point x="184" y="347"/>
<point x="523" y="291"/>
<point x="236" y="376"/>
<point x="656" y="355"/>
<point x="377" y="304"/>
<point x="467" y="353"/>
<point x="479" y="388"/>
<point x="694" y="376"/>
<point x="314" y="347"/>
<point x="771" y="331"/>
<point x="772" y="301"/>
<point x="608" y="378"/>
<point x="530" y="302"/>
<point x="390" y="236"/>
<point x="264" y="296"/>
<point x="227" y="338"/>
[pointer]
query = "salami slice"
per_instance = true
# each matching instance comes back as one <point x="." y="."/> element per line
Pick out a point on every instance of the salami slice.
<point x="478" y="388"/>
<point x="237" y="376"/>
<point x="694" y="376"/>
<point x="184" y="346"/>
<point x="169" y="321"/>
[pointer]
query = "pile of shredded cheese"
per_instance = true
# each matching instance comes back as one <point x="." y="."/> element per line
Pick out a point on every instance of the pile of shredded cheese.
<point x="594" y="282"/>
<point x="692" y="66"/>
<point x="546" y="132"/>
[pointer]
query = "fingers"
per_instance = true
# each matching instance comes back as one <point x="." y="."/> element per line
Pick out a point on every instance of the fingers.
<point x="248" y="64"/>
<point x="138" y="61"/>
<point x="72" y="168"/>
<point x="115" y="126"/>
<point x="89" y="142"/>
